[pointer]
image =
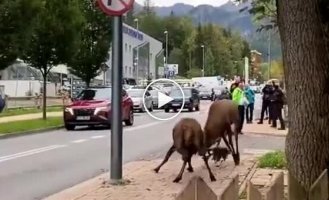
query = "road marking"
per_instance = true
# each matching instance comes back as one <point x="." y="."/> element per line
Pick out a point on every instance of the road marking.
<point x="30" y="152"/>
<point x="97" y="136"/>
<point x="144" y="126"/>
<point x="79" y="141"/>
<point x="257" y="151"/>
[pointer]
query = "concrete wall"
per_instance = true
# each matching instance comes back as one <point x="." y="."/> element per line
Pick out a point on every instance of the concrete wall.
<point x="21" y="88"/>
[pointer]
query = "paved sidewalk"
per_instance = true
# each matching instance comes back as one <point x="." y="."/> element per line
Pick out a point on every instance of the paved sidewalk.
<point x="28" y="117"/>
<point x="263" y="129"/>
<point x="144" y="184"/>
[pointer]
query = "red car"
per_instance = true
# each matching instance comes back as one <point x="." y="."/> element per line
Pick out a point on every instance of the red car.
<point x="93" y="107"/>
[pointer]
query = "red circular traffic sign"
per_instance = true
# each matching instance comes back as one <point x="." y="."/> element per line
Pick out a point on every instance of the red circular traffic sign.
<point x="115" y="7"/>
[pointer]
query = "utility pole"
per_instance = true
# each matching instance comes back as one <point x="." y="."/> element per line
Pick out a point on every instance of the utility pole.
<point x="269" y="54"/>
<point x="203" y="59"/>
<point x="137" y="53"/>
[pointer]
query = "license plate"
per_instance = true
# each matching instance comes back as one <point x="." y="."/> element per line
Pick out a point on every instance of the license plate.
<point x="175" y="104"/>
<point x="83" y="118"/>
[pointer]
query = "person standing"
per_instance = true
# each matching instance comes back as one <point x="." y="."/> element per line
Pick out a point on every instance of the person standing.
<point x="267" y="90"/>
<point x="277" y="106"/>
<point x="238" y="98"/>
<point x="250" y="95"/>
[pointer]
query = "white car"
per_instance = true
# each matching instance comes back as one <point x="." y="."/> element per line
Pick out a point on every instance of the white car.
<point x="137" y="97"/>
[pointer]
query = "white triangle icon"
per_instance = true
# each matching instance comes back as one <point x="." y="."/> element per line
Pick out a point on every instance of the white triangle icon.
<point x="163" y="99"/>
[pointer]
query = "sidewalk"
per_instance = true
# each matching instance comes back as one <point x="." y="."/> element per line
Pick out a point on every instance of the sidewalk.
<point x="28" y="117"/>
<point x="263" y="129"/>
<point x="145" y="184"/>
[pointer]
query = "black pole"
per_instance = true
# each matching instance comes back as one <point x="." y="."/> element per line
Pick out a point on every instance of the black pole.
<point x="116" y="130"/>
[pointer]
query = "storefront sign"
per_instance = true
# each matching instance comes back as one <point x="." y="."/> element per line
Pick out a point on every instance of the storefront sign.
<point x="132" y="33"/>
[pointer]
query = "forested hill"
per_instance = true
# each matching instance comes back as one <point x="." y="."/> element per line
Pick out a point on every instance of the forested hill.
<point x="227" y="16"/>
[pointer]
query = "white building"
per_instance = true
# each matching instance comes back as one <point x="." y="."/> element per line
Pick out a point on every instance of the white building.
<point x="139" y="51"/>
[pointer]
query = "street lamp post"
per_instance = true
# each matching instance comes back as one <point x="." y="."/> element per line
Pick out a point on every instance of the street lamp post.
<point x="137" y="56"/>
<point x="166" y="61"/>
<point x="202" y="46"/>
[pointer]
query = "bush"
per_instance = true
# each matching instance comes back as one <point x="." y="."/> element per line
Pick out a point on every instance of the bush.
<point x="275" y="160"/>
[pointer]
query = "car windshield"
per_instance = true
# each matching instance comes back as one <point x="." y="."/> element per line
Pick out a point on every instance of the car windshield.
<point x="135" y="93"/>
<point x="178" y="93"/>
<point x="95" y="94"/>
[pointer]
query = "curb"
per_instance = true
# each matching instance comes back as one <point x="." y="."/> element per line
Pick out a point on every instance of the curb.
<point x="265" y="134"/>
<point x="32" y="132"/>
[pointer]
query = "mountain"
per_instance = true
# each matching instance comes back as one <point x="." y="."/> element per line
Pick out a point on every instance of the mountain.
<point x="228" y="15"/>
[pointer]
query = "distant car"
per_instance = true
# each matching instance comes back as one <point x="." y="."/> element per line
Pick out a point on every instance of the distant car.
<point x="93" y="107"/>
<point x="191" y="101"/>
<point x="205" y="95"/>
<point x="137" y="97"/>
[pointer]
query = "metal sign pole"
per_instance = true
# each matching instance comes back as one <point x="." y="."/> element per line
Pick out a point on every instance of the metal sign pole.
<point x="116" y="130"/>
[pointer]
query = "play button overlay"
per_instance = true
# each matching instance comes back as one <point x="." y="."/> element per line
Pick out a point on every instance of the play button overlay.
<point x="163" y="99"/>
<point x="167" y="98"/>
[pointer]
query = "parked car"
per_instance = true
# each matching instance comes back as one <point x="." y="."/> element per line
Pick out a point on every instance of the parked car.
<point x="137" y="97"/>
<point x="93" y="107"/>
<point x="191" y="101"/>
<point x="205" y="94"/>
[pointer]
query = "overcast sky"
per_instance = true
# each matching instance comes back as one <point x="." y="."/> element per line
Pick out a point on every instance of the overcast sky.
<point x="191" y="2"/>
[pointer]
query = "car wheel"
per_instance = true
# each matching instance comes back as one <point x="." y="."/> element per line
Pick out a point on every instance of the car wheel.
<point x="130" y="120"/>
<point x="190" y="109"/>
<point x="175" y="110"/>
<point x="197" y="108"/>
<point x="166" y="110"/>
<point x="69" y="127"/>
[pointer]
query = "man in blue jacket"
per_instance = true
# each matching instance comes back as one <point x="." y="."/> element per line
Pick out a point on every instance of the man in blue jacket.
<point x="2" y="103"/>
<point x="250" y="95"/>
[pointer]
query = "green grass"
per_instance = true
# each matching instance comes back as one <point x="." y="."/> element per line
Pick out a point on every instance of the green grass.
<point x="274" y="160"/>
<point x="23" y="111"/>
<point x="30" y="125"/>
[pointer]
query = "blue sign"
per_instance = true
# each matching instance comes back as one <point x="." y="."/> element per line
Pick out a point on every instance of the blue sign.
<point x="132" y="33"/>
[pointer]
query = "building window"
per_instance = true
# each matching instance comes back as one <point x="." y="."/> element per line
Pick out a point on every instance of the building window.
<point x="126" y="47"/>
<point x="129" y="48"/>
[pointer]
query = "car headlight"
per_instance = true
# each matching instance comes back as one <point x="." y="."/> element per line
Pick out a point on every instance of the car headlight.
<point x="99" y="109"/>
<point x="69" y="110"/>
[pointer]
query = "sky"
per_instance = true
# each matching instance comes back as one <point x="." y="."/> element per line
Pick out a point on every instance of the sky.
<point x="190" y="2"/>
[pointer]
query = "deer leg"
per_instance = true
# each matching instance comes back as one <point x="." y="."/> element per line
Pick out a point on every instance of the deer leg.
<point x="228" y="145"/>
<point x="211" y="175"/>
<point x="237" y="155"/>
<point x="185" y="161"/>
<point x="169" y="153"/>
<point x="190" y="168"/>
<point x="218" y="141"/>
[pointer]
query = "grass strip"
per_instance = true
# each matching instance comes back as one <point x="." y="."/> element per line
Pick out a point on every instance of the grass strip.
<point x="274" y="160"/>
<point x="24" y="111"/>
<point x="30" y="125"/>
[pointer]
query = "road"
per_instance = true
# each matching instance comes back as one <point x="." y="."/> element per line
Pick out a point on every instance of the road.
<point x="36" y="166"/>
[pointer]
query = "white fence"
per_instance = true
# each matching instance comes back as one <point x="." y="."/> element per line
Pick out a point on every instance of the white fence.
<point x="23" y="88"/>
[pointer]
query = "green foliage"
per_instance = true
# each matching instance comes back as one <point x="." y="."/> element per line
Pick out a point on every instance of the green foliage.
<point x="16" y="24"/>
<point x="95" y="43"/>
<point x="194" y="72"/>
<point x="55" y="36"/>
<point x="275" y="160"/>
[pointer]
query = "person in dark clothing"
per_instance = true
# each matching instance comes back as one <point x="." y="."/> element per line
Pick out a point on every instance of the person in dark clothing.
<point x="213" y="96"/>
<point x="277" y="102"/>
<point x="267" y="91"/>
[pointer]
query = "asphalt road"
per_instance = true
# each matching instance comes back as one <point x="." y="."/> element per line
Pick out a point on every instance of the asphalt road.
<point x="36" y="166"/>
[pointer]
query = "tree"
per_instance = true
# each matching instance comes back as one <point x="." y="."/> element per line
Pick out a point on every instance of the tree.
<point x="194" y="72"/>
<point x="55" y="38"/>
<point x="95" y="43"/>
<point x="148" y="7"/>
<point x="304" y="31"/>
<point x="17" y="19"/>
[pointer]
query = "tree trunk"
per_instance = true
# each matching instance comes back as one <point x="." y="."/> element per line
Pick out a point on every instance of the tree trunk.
<point x="306" y="65"/>
<point x="44" y="98"/>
